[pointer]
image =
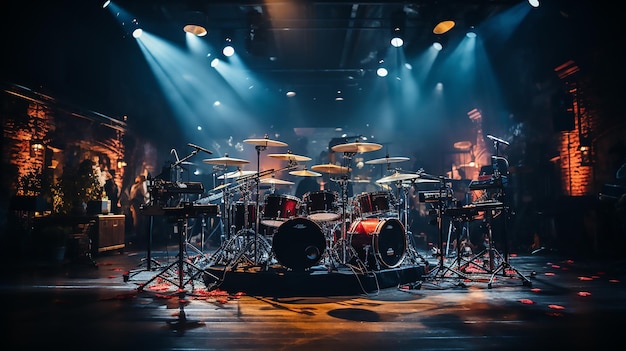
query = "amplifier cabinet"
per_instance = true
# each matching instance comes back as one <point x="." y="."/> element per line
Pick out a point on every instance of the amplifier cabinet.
<point x="109" y="233"/>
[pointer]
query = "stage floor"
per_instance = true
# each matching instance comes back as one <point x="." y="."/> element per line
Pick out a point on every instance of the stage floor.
<point x="570" y="303"/>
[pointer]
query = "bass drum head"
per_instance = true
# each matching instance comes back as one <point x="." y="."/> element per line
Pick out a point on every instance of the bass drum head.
<point x="390" y="243"/>
<point x="299" y="243"/>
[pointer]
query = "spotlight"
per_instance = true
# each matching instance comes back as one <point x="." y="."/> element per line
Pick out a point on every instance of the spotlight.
<point x="195" y="29"/>
<point x="533" y="3"/>
<point x="137" y="33"/>
<point x="443" y="27"/>
<point x="471" y="33"/>
<point x="228" y="50"/>
<point x="396" y="40"/>
<point x="397" y="28"/>
<point x="382" y="72"/>
<point x="193" y="26"/>
<point x="438" y="46"/>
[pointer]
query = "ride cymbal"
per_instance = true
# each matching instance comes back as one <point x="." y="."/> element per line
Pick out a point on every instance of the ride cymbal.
<point x="396" y="177"/>
<point x="385" y="160"/>
<point x="357" y="147"/>
<point x="264" y="142"/>
<point x="290" y="157"/>
<point x="305" y="173"/>
<point x="225" y="161"/>
<point x="330" y="168"/>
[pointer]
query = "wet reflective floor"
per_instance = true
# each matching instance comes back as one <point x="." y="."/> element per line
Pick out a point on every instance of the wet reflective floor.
<point x="98" y="305"/>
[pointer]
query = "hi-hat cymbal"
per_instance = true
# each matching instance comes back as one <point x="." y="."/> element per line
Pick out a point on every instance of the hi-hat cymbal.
<point x="386" y="159"/>
<point x="264" y="142"/>
<point x="225" y="161"/>
<point x="236" y="174"/>
<point x="397" y="177"/>
<point x="305" y="173"/>
<point x="275" y="181"/>
<point x="330" y="168"/>
<point x="290" y="157"/>
<point x="357" y="147"/>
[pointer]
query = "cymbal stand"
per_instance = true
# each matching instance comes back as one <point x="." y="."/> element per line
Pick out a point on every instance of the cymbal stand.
<point x="412" y="253"/>
<point x="441" y="270"/>
<point x="343" y="241"/>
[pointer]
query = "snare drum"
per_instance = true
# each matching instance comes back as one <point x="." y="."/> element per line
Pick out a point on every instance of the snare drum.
<point x="279" y="208"/>
<point x="321" y="206"/>
<point x="373" y="204"/>
<point x="379" y="240"/>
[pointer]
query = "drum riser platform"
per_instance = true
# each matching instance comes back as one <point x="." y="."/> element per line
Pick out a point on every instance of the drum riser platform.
<point x="312" y="282"/>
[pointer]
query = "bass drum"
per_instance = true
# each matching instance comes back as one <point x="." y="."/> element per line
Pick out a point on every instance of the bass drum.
<point x="299" y="243"/>
<point x="378" y="240"/>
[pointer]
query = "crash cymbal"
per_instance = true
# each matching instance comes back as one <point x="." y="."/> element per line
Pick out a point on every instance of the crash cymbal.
<point x="397" y="177"/>
<point x="386" y="159"/>
<point x="330" y="168"/>
<point x="236" y="174"/>
<point x="276" y="181"/>
<point x="357" y="147"/>
<point x="225" y="161"/>
<point x="290" y="157"/>
<point x="264" y="142"/>
<point x="305" y="173"/>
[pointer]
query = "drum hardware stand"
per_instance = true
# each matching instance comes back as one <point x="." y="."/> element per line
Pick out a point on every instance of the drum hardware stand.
<point x="412" y="253"/>
<point x="179" y="266"/>
<point x="441" y="270"/>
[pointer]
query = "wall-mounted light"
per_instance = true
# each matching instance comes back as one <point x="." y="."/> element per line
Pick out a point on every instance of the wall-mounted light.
<point x="36" y="145"/>
<point x="121" y="163"/>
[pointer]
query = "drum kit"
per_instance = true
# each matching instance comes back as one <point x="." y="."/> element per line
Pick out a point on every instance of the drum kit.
<point x="324" y="226"/>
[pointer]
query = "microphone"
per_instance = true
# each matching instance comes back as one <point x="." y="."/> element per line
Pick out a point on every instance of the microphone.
<point x="200" y="148"/>
<point x="497" y="139"/>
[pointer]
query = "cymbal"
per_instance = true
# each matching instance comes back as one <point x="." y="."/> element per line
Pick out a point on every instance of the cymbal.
<point x="276" y="181"/>
<point x="397" y="177"/>
<point x="359" y="180"/>
<point x="462" y="145"/>
<point x="424" y="180"/>
<point x="220" y="187"/>
<point x="290" y="157"/>
<point x="330" y="168"/>
<point x="305" y="173"/>
<point x="225" y="161"/>
<point x="387" y="159"/>
<point x="264" y="142"/>
<point x="236" y="174"/>
<point x="357" y="147"/>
